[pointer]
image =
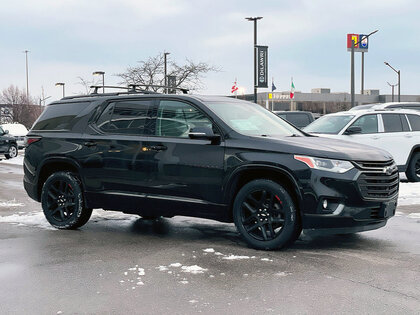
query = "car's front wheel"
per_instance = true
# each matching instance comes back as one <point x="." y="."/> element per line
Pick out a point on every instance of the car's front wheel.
<point x="413" y="169"/>
<point x="62" y="201"/>
<point x="265" y="215"/>
<point x="12" y="153"/>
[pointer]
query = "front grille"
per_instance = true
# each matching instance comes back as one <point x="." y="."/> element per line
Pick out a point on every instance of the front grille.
<point x="378" y="180"/>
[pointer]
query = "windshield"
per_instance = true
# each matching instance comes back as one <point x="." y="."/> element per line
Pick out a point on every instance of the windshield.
<point x="329" y="124"/>
<point x="252" y="120"/>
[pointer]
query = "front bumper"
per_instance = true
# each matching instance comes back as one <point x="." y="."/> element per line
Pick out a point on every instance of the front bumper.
<point x="348" y="209"/>
<point x="354" y="219"/>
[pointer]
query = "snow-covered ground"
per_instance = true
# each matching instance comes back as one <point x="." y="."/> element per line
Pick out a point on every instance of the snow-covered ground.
<point x="15" y="161"/>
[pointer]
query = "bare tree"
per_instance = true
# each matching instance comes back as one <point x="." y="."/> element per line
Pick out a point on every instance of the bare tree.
<point x="23" y="109"/>
<point x="87" y="84"/>
<point x="151" y="72"/>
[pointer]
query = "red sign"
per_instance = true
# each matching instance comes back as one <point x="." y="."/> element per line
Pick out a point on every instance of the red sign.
<point x="354" y="38"/>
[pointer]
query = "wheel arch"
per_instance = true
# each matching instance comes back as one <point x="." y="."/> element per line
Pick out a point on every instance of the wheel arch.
<point x="53" y="165"/>
<point x="414" y="150"/>
<point x="245" y="174"/>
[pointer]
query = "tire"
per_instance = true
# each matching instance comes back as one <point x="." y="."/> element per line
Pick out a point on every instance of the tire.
<point x="413" y="169"/>
<point x="63" y="203"/>
<point x="12" y="153"/>
<point x="265" y="215"/>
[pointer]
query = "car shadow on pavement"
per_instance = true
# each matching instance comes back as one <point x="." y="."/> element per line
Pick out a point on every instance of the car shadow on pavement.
<point x="221" y="233"/>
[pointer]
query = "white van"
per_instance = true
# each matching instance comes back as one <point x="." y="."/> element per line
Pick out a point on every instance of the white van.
<point x="18" y="131"/>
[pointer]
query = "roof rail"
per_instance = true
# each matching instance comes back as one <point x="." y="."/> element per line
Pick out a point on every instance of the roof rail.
<point x="131" y="89"/>
<point x="134" y="86"/>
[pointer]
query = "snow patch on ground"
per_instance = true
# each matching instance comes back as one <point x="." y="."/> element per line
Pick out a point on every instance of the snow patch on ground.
<point x="235" y="257"/>
<point x="193" y="269"/>
<point x="15" y="161"/>
<point x="11" y="203"/>
<point x="176" y="265"/>
<point x="414" y="215"/>
<point x="409" y="194"/>
<point x="37" y="218"/>
<point x="208" y="250"/>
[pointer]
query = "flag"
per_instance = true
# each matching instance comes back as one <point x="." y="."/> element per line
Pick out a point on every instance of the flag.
<point x="292" y="90"/>
<point x="234" y="87"/>
<point x="273" y="87"/>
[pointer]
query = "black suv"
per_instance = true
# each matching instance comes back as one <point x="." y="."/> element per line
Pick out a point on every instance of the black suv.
<point x="8" y="145"/>
<point x="211" y="157"/>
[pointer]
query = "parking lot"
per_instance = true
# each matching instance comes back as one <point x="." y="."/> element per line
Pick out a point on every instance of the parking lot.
<point x="121" y="263"/>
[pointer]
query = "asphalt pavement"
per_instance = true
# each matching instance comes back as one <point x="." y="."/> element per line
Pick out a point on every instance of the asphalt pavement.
<point x="121" y="264"/>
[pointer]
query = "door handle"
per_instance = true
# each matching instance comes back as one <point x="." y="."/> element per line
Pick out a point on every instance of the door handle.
<point x="90" y="144"/>
<point x="158" y="148"/>
<point x="375" y="137"/>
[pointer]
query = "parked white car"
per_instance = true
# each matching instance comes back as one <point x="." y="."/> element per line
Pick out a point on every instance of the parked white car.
<point x="18" y="131"/>
<point x="396" y="131"/>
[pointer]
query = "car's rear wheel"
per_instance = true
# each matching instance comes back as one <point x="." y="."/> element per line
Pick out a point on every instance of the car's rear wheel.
<point x="413" y="169"/>
<point x="62" y="201"/>
<point x="12" y="153"/>
<point x="265" y="215"/>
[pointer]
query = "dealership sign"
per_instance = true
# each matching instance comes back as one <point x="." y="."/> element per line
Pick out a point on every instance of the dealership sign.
<point x="261" y="74"/>
<point x="361" y="42"/>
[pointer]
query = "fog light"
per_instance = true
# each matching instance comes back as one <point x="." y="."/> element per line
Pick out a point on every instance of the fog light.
<point x="325" y="204"/>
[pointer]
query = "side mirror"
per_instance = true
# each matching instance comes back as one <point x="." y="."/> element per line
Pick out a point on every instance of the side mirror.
<point x="6" y="132"/>
<point x="353" y="130"/>
<point x="203" y="133"/>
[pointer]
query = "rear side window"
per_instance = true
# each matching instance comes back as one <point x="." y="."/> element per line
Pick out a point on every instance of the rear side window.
<point x="126" y="117"/>
<point x="392" y="123"/>
<point x="299" y="120"/>
<point x="176" y="119"/>
<point x="59" y="116"/>
<point x="414" y="122"/>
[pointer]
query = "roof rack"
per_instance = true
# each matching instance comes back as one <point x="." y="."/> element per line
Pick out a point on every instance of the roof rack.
<point x="134" y="86"/>
<point x="130" y="89"/>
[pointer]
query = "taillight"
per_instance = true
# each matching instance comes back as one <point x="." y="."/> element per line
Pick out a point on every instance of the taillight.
<point x="29" y="140"/>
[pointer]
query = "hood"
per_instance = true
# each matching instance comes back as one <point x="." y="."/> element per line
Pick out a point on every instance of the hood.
<point x="321" y="147"/>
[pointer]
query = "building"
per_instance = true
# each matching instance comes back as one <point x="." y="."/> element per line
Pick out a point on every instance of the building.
<point x="321" y="100"/>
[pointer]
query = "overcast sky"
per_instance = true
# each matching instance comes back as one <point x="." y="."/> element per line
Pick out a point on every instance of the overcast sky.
<point x="306" y="39"/>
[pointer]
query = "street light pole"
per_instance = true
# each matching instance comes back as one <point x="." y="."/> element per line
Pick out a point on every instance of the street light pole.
<point x="61" y="84"/>
<point x="255" y="19"/>
<point x="399" y="79"/>
<point x="103" y="79"/>
<point x="353" y="44"/>
<point x="27" y="76"/>
<point x="165" y="68"/>
<point x="392" y="88"/>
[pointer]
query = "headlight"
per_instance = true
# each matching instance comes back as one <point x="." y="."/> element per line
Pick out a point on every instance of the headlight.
<point x="336" y="166"/>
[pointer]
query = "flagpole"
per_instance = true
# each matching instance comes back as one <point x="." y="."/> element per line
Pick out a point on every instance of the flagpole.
<point x="291" y="82"/>
<point x="272" y="93"/>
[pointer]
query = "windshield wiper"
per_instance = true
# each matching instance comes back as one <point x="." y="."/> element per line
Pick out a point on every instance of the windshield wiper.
<point x="295" y="135"/>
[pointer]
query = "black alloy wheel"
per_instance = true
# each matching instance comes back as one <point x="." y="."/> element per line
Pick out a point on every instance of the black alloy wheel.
<point x="262" y="214"/>
<point x="265" y="215"/>
<point x="62" y="201"/>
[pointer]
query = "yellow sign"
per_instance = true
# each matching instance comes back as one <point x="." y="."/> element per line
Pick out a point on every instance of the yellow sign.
<point x="270" y="96"/>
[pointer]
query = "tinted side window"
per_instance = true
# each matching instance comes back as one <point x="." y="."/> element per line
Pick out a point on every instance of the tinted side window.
<point x="368" y="123"/>
<point x="104" y="119"/>
<point x="59" y="116"/>
<point x="299" y="120"/>
<point x="392" y="123"/>
<point x="414" y="122"/>
<point x="176" y="119"/>
<point x="128" y="117"/>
